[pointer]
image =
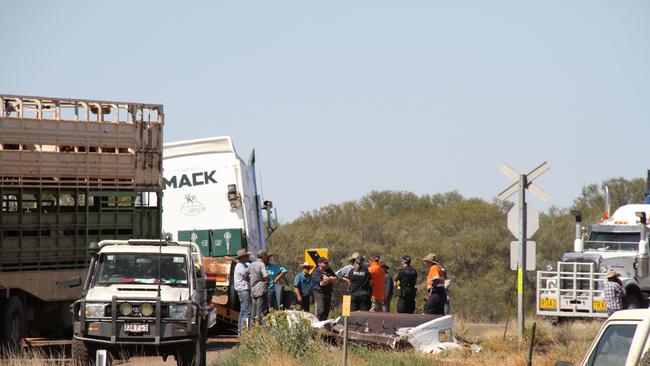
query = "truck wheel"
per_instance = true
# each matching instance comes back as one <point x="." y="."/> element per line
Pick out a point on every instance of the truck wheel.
<point x="193" y="355"/>
<point x="631" y="302"/>
<point x="14" y="322"/>
<point x="82" y="353"/>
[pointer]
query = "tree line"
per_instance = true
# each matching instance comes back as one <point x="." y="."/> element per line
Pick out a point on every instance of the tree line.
<point x="469" y="235"/>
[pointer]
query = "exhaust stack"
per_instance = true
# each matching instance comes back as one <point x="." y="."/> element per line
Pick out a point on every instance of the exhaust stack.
<point x="608" y="204"/>
<point x="646" y="196"/>
<point x="578" y="243"/>
<point x="642" y="256"/>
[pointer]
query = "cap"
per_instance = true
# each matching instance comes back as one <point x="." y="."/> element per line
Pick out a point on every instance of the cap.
<point x="406" y="259"/>
<point x="263" y="253"/>
<point x="322" y="259"/>
<point x="360" y="260"/>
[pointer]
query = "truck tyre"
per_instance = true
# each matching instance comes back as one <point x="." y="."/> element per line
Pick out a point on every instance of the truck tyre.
<point x="631" y="302"/>
<point x="14" y="322"/>
<point x="82" y="353"/>
<point x="194" y="354"/>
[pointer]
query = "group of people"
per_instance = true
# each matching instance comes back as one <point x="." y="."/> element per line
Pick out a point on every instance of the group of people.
<point x="368" y="282"/>
<point x="257" y="284"/>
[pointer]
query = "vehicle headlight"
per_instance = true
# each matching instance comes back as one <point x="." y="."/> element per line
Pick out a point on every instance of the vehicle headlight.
<point x="178" y="311"/>
<point x="146" y="309"/>
<point x="603" y="268"/>
<point x="126" y="309"/>
<point x="95" y="310"/>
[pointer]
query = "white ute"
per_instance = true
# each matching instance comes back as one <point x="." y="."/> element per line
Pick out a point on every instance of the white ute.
<point x="143" y="297"/>
<point x="624" y="339"/>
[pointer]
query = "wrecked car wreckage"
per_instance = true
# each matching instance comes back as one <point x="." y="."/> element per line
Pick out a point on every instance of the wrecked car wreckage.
<point x="424" y="333"/>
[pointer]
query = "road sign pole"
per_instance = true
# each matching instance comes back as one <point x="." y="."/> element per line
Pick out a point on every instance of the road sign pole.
<point x="522" y="254"/>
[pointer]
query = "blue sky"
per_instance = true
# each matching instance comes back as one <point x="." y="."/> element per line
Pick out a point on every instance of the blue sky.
<point x="340" y="98"/>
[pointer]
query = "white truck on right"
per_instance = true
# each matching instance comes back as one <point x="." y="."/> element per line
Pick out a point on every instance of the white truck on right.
<point x="575" y="287"/>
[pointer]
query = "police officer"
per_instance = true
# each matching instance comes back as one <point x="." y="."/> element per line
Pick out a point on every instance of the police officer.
<point x="405" y="282"/>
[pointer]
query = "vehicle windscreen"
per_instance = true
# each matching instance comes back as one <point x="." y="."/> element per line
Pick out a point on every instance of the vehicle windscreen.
<point x="141" y="268"/>
<point x="614" y="346"/>
<point x="613" y="241"/>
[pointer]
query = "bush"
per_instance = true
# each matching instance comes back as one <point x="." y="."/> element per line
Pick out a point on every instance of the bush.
<point x="280" y="332"/>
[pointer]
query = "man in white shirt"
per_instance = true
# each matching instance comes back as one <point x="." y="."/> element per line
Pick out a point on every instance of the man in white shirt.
<point x="242" y="287"/>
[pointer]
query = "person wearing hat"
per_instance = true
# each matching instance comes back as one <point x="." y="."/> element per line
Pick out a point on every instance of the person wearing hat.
<point x="243" y="288"/>
<point x="388" y="287"/>
<point x="259" y="280"/>
<point x="436" y="294"/>
<point x="323" y="278"/>
<point x="614" y="292"/>
<point x="360" y="286"/>
<point x="378" y="276"/>
<point x="405" y="282"/>
<point x="304" y="286"/>
<point x="344" y="272"/>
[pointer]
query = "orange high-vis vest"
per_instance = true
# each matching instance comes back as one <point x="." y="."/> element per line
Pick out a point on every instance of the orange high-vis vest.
<point x="435" y="273"/>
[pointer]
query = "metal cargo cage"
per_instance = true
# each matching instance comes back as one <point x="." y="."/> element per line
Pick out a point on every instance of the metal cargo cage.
<point x="71" y="142"/>
<point x="74" y="171"/>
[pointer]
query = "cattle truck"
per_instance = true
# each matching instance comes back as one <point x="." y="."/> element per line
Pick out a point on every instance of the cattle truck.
<point x="72" y="171"/>
<point x="210" y="198"/>
<point x="620" y="242"/>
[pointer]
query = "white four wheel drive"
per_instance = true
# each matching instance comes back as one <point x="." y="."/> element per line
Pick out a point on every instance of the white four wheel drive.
<point x="624" y="339"/>
<point x="143" y="297"/>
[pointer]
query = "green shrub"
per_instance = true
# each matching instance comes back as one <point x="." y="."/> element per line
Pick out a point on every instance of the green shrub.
<point x="291" y="336"/>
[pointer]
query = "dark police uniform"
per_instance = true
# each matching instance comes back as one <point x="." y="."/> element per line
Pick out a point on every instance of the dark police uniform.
<point x="360" y="289"/>
<point x="406" y="279"/>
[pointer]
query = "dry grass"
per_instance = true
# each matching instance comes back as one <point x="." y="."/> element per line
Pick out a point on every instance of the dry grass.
<point x="32" y="357"/>
<point x="552" y="343"/>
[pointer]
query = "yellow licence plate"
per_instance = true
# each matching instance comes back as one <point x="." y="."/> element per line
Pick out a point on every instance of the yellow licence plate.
<point x="599" y="305"/>
<point x="547" y="303"/>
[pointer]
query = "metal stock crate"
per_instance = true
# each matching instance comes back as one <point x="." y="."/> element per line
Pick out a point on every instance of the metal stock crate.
<point x="574" y="290"/>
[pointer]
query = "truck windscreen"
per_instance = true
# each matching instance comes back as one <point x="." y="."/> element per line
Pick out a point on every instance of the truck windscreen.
<point x="141" y="268"/>
<point x="613" y="241"/>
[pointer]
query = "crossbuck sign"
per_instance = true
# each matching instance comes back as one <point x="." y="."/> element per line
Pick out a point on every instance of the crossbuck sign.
<point x="521" y="226"/>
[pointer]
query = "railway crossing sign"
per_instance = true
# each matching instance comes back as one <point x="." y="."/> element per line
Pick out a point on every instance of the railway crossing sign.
<point x="532" y="221"/>
<point x="521" y="225"/>
<point x="312" y="255"/>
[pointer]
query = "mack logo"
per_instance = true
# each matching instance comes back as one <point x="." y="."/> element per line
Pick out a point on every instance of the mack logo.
<point x="191" y="180"/>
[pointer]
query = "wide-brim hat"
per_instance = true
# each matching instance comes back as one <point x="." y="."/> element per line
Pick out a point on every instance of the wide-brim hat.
<point x="243" y="253"/>
<point x="611" y="273"/>
<point x="307" y="264"/>
<point x="431" y="258"/>
<point x="353" y="256"/>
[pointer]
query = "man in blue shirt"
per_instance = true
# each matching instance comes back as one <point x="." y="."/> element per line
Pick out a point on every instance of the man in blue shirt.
<point x="304" y="286"/>
<point x="323" y="278"/>
<point x="276" y="273"/>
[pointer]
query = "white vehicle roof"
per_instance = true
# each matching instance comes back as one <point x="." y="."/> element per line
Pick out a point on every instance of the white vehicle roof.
<point x="635" y="314"/>
<point x="144" y="249"/>
<point x="626" y="214"/>
<point x="219" y="144"/>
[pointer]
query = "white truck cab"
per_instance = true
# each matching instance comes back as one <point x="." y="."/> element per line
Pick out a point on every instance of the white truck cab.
<point x="143" y="297"/>
<point x="624" y="339"/>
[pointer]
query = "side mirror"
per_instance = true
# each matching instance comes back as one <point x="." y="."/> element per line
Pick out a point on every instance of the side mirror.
<point x="563" y="363"/>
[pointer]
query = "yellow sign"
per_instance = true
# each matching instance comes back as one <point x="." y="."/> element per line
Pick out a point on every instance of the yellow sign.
<point x="312" y="255"/>
<point x="520" y="280"/>
<point x="345" y="306"/>
<point x="547" y="303"/>
<point x="599" y="305"/>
